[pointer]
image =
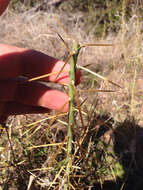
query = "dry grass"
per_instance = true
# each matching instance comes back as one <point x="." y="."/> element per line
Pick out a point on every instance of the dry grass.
<point x="33" y="148"/>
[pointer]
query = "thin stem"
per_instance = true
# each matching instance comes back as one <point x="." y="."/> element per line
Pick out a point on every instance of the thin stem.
<point x="76" y="49"/>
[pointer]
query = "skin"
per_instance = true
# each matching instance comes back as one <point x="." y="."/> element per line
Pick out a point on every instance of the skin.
<point x="20" y="97"/>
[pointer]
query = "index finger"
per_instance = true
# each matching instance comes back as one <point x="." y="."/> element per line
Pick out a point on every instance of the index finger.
<point x="16" y="61"/>
<point x="3" y="5"/>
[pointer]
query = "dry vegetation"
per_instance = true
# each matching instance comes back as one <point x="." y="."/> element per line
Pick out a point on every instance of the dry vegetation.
<point x="107" y="147"/>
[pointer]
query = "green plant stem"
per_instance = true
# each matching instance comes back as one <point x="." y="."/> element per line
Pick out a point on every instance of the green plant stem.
<point x="75" y="49"/>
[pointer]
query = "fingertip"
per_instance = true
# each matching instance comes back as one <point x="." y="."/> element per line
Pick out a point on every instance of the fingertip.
<point x="54" y="100"/>
<point x="61" y="73"/>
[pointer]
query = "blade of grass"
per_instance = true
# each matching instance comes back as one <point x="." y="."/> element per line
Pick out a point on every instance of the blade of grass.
<point x="90" y="45"/>
<point x="96" y="90"/>
<point x="97" y="75"/>
<point x="68" y="57"/>
<point x="44" y="76"/>
<point x="56" y="177"/>
<point x="61" y="70"/>
<point x="45" y="145"/>
<point x="63" y="41"/>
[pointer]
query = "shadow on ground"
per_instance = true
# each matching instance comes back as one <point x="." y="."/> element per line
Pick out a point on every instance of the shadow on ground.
<point x="128" y="147"/>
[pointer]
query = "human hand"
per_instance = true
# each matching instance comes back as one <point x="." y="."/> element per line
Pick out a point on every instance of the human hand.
<point x="18" y="97"/>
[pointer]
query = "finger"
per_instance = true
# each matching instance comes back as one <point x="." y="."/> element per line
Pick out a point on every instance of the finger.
<point x="37" y="94"/>
<point x="33" y="93"/>
<point x="30" y="63"/>
<point x="15" y="108"/>
<point x="3" y="5"/>
<point x="8" y="89"/>
<point x="42" y="65"/>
